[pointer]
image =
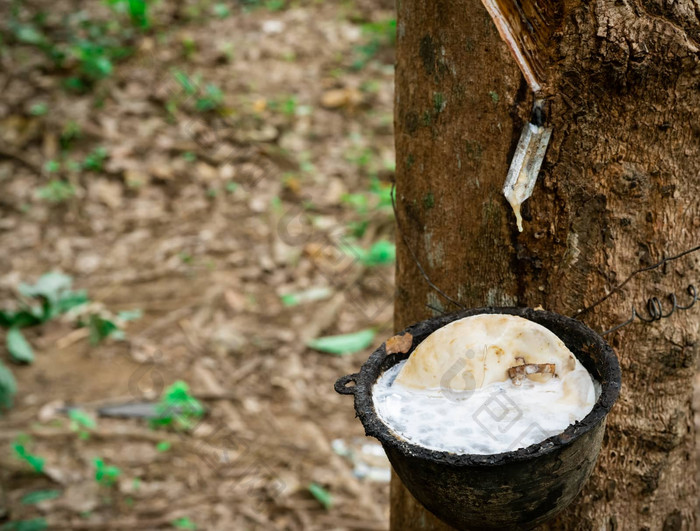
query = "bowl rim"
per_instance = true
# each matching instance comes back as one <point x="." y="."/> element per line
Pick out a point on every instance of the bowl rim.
<point x="608" y="368"/>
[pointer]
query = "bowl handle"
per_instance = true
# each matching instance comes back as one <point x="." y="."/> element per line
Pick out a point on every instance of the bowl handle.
<point x="343" y="381"/>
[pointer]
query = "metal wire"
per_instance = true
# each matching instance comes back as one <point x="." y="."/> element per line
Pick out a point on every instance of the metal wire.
<point x="435" y="308"/>
<point x="655" y="310"/>
<point x="634" y="274"/>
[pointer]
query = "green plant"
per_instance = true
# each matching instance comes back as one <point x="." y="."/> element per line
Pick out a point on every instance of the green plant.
<point x="137" y="10"/>
<point x="94" y="48"/>
<point x="287" y="106"/>
<point x="362" y="157"/>
<point x="54" y="296"/>
<point x="221" y="10"/>
<point x="87" y="48"/>
<point x="39" y="109"/>
<point x="382" y="252"/>
<point x="177" y="408"/>
<point x="378" y="35"/>
<point x="71" y="132"/>
<point x="95" y="159"/>
<point x="33" y="524"/>
<point x="52" y="166"/>
<point x="94" y="59"/>
<point x="188" y="85"/>
<point x="163" y="446"/>
<point x="39" y="496"/>
<point x="189" y="46"/>
<point x="81" y="422"/>
<point x="211" y="100"/>
<point x="103" y="325"/>
<point x="51" y="296"/>
<point x="8" y="387"/>
<point x="56" y="191"/>
<point x="100" y="328"/>
<point x="322" y="495"/>
<point x="105" y="475"/>
<point x="376" y="199"/>
<point x="270" y="5"/>
<point x="53" y="291"/>
<point x="184" y="523"/>
<point x="21" y="452"/>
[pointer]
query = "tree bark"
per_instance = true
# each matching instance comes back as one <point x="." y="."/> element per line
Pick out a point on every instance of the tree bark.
<point x="618" y="190"/>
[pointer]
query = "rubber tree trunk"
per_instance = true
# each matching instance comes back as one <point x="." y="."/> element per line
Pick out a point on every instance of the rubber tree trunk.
<point x="619" y="189"/>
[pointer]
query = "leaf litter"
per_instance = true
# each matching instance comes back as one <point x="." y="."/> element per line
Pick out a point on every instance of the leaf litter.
<point x="154" y="197"/>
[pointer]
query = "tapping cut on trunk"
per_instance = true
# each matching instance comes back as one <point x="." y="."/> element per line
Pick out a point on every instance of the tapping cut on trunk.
<point x="527" y="27"/>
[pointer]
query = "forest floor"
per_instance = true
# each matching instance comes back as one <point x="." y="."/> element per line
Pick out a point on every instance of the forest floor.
<point x="239" y="157"/>
<point x="228" y="180"/>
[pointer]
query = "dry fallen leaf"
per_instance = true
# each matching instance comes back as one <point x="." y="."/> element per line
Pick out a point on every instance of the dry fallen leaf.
<point x="206" y="172"/>
<point x="399" y="344"/>
<point x="336" y="98"/>
<point x="260" y="105"/>
<point x="107" y="192"/>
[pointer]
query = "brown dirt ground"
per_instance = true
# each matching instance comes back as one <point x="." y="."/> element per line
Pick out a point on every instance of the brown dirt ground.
<point x="160" y="229"/>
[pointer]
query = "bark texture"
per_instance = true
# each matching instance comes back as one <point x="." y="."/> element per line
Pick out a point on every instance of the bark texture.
<point x="618" y="190"/>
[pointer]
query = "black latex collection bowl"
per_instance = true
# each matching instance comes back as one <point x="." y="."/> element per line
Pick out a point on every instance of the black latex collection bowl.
<point x="512" y="490"/>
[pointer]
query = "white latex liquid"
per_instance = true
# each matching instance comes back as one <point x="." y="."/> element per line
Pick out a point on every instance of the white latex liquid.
<point x="496" y="418"/>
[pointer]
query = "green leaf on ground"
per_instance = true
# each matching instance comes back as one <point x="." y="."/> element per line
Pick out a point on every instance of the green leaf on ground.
<point x="130" y="315"/>
<point x="81" y="422"/>
<point x="309" y="295"/>
<point x="39" y="496"/>
<point x="178" y="408"/>
<point x="163" y="446"/>
<point x="344" y="343"/>
<point x="29" y="34"/>
<point x="35" y="524"/>
<point x="105" y="474"/>
<point x="138" y="10"/>
<point x="101" y="328"/>
<point x="381" y="253"/>
<point x="39" y="109"/>
<point x="187" y="85"/>
<point x="322" y="495"/>
<point x="69" y="300"/>
<point x="36" y="462"/>
<point x="184" y="523"/>
<point x="18" y="347"/>
<point x="49" y="286"/>
<point x="8" y="387"/>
